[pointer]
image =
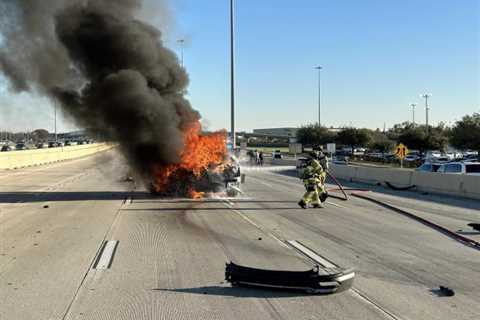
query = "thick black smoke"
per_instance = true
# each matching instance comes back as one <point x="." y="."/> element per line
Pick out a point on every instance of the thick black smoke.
<point x="109" y="70"/>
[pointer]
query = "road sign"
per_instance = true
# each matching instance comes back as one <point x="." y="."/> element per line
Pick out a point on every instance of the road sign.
<point x="331" y="148"/>
<point x="295" y="148"/>
<point x="401" y="151"/>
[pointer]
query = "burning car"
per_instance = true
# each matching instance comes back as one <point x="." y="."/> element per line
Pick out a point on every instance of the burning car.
<point x="205" y="166"/>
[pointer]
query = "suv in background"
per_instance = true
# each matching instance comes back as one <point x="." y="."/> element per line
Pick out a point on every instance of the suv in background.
<point x="21" y="146"/>
<point x="471" y="168"/>
<point x="277" y="154"/>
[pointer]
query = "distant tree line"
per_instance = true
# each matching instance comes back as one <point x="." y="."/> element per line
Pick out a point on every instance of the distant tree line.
<point x="39" y="135"/>
<point x="463" y="135"/>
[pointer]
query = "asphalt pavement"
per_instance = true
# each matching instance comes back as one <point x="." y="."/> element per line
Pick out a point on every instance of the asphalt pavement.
<point x="169" y="256"/>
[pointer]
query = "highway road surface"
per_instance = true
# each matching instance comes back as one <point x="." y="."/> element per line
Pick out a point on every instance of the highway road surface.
<point x="77" y="241"/>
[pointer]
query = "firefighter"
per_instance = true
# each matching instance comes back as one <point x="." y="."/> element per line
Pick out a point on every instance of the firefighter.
<point x="314" y="177"/>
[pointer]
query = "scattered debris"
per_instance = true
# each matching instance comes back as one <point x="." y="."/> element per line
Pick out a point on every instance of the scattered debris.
<point x="442" y="291"/>
<point x="391" y="186"/>
<point x="475" y="226"/>
<point x="310" y="281"/>
<point x="46" y="206"/>
<point x="447" y="291"/>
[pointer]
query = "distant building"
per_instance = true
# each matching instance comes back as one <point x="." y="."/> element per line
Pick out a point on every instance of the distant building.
<point x="277" y="132"/>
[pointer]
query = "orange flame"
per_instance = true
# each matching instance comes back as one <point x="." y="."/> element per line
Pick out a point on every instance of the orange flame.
<point x="200" y="153"/>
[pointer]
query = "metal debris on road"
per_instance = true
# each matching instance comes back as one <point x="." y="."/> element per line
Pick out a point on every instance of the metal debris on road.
<point x="475" y="226"/>
<point x="310" y="281"/>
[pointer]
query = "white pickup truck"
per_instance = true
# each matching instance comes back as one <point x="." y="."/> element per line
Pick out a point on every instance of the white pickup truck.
<point x="470" y="168"/>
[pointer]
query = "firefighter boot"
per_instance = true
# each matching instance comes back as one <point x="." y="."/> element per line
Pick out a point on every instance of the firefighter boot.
<point x="302" y="204"/>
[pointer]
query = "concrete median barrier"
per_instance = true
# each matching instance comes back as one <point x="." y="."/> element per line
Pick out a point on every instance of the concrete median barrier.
<point x="451" y="184"/>
<point x="28" y="158"/>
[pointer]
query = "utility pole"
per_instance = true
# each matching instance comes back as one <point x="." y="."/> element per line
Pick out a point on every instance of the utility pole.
<point x="232" y="72"/>
<point x="426" y="96"/>
<point x="182" y="43"/>
<point x="55" y="116"/>
<point x="413" y="105"/>
<point x="319" y="95"/>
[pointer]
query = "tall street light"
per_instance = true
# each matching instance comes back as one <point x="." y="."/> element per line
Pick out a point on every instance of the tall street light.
<point x="232" y="72"/>
<point x="319" y="68"/>
<point x="181" y="42"/>
<point x="55" y="117"/>
<point x="413" y="105"/>
<point x="426" y="96"/>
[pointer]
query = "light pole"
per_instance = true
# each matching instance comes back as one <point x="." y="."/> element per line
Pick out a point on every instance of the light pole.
<point x="426" y="96"/>
<point x="181" y="42"/>
<point x="55" y="117"/>
<point x="319" y="68"/>
<point x="232" y="72"/>
<point x="413" y="105"/>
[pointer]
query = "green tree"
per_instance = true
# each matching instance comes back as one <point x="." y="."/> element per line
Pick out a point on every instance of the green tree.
<point x="314" y="134"/>
<point x="416" y="138"/>
<point x="354" y="137"/>
<point x="466" y="133"/>
<point x="413" y="138"/>
<point x="40" y="135"/>
<point x="380" y="142"/>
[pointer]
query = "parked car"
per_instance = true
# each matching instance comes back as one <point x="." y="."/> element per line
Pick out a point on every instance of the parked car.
<point x="277" y="154"/>
<point x="52" y="144"/>
<point x="340" y="159"/>
<point x="41" y="145"/>
<point x="428" y="167"/>
<point x="59" y="144"/>
<point x="6" y="148"/>
<point x="21" y="146"/>
<point x="471" y="158"/>
<point x="412" y="157"/>
<point x="472" y="168"/>
<point x="441" y="160"/>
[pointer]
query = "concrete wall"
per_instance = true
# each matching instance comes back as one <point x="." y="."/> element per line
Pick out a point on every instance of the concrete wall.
<point x="457" y="185"/>
<point x="26" y="158"/>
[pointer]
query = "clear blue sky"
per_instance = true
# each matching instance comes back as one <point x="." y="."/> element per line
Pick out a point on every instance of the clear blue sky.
<point x="378" y="57"/>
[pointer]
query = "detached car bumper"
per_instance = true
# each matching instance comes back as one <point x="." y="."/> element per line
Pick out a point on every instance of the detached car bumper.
<point x="316" y="281"/>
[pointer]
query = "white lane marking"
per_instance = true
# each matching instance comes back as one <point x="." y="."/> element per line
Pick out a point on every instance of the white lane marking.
<point x="105" y="259"/>
<point x="387" y="314"/>
<point x="336" y="205"/>
<point x="312" y="255"/>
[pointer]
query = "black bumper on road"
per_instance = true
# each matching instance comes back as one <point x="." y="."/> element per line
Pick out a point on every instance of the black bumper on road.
<point x="312" y="281"/>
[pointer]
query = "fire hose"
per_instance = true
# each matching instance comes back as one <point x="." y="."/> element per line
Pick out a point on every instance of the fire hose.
<point x="342" y="189"/>
<point x="464" y="240"/>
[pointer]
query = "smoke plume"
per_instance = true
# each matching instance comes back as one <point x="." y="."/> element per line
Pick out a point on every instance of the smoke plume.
<point x="109" y="71"/>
